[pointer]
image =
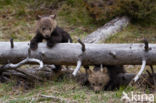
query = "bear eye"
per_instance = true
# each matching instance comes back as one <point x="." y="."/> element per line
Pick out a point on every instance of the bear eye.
<point x="93" y="84"/>
<point x="43" y="28"/>
<point x="100" y="84"/>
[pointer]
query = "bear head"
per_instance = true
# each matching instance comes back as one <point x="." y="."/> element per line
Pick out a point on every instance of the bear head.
<point x="98" y="79"/>
<point x="46" y="25"/>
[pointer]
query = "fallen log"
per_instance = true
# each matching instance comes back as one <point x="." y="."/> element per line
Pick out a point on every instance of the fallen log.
<point x="67" y="53"/>
<point x="109" y="29"/>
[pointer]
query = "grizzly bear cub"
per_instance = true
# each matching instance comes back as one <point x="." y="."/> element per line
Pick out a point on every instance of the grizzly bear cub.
<point x="47" y="29"/>
<point x="98" y="79"/>
<point x="106" y="78"/>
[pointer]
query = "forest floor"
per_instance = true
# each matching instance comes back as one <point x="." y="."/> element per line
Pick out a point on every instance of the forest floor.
<point x="17" y="21"/>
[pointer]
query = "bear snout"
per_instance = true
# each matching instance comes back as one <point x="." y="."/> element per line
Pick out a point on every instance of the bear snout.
<point x="47" y="36"/>
<point x="97" y="89"/>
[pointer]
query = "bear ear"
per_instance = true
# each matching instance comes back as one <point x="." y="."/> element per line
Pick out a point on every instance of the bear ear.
<point x="38" y="17"/>
<point x="52" y="16"/>
<point x="89" y="71"/>
<point x="104" y="70"/>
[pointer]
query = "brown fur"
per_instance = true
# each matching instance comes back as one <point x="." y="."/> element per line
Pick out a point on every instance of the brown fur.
<point x="98" y="79"/>
<point x="115" y="81"/>
<point x="46" y="25"/>
<point x="106" y="78"/>
<point x="48" y="30"/>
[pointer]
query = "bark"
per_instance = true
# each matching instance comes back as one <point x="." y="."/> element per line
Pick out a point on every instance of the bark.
<point x="109" y="29"/>
<point x="68" y="53"/>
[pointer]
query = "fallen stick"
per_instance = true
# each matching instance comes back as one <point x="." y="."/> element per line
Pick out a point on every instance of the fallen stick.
<point x="56" y="99"/>
<point x="11" y="66"/>
<point x="141" y="71"/>
<point x="80" y="58"/>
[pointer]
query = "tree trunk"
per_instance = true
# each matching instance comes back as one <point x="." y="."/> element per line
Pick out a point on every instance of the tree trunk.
<point x="68" y="53"/>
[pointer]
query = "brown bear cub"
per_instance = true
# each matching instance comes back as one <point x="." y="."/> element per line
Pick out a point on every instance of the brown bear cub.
<point x="106" y="78"/>
<point x="47" y="29"/>
<point x="98" y="79"/>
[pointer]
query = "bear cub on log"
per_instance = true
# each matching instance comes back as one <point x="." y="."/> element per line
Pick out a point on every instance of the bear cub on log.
<point x="105" y="78"/>
<point x="47" y="29"/>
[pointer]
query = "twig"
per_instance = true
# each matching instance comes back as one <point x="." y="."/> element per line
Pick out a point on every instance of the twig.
<point x="80" y="58"/>
<point x="57" y="99"/>
<point x="146" y="45"/>
<point x="83" y="45"/>
<point x="152" y="69"/>
<point x="152" y="75"/>
<point x="30" y="76"/>
<point x="113" y="54"/>
<point x="12" y="43"/>
<point x="11" y="66"/>
<point x="79" y="62"/>
<point x="101" y="66"/>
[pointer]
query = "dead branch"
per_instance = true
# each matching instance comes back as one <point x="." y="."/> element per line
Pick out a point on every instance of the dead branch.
<point x="147" y="48"/>
<point x="140" y="72"/>
<point x="80" y="58"/>
<point x="30" y="76"/>
<point x="57" y="99"/>
<point x="152" y="69"/>
<point x="11" y="66"/>
<point x="4" y="70"/>
<point x="79" y="62"/>
<point x="83" y="45"/>
<point x="152" y="76"/>
<point x="12" y="43"/>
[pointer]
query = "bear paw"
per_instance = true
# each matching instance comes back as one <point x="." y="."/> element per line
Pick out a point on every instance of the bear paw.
<point x="33" y="46"/>
<point x="50" y="45"/>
